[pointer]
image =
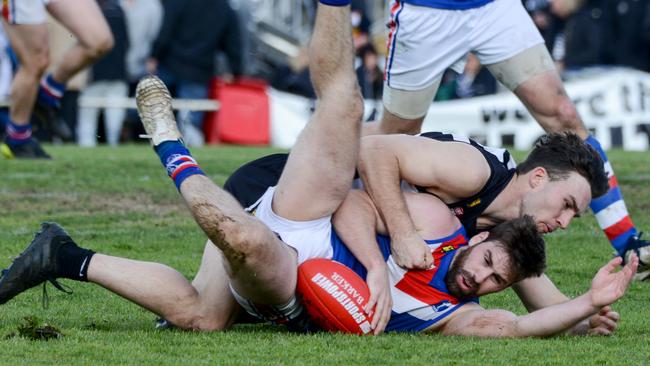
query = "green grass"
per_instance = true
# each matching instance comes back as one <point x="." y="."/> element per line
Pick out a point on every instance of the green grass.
<point x="119" y="202"/>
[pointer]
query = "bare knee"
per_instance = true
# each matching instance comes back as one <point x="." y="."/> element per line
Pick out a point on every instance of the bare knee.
<point x="355" y="105"/>
<point x="188" y="313"/>
<point x="37" y="62"/>
<point x="100" y="46"/>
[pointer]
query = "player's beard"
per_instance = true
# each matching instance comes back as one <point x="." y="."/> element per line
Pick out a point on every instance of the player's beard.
<point x="455" y="270"/>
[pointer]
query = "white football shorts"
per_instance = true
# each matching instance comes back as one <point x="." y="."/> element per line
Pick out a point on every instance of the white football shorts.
<point x="24" y="11"/>
<point x="311" y="239"/>
<point x="423" y="42"/>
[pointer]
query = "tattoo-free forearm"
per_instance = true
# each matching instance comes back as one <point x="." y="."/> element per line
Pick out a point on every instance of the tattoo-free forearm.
<point x="380" y="172"/>
<point x="355" y="222"/>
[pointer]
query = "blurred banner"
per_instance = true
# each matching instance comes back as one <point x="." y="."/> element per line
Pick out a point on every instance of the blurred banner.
<point x="614" y="104"/>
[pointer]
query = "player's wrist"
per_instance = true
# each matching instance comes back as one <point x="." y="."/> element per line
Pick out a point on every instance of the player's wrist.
<point x="376" y="265"/>
<point x="587" y="303"/>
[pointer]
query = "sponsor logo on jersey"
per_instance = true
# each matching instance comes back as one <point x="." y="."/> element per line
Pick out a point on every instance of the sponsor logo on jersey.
<point x="474" y="203"/>
<point x="447" y="248"/>
<point x="458" y="211"/>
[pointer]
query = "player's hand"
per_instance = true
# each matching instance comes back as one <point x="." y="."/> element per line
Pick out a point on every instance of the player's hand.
<point x="609" y="286"/>
<point x="151" y="65"/>
<point x="604" y="322"/>
<point x="411" y="253"/>
<point x="380" y="302"/>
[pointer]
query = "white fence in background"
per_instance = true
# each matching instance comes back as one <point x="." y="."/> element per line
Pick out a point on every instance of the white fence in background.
<point x="614" y="105"/>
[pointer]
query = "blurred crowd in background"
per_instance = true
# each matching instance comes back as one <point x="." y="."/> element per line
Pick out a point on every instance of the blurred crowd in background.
<point x="188" y="43"/>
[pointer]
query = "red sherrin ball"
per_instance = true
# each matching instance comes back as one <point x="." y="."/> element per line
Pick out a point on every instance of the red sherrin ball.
<point x="334" y="296"/>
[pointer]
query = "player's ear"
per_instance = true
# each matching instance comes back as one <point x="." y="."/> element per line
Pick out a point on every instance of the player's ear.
<point x="479" y="238"/>
<point x="537" y="176"/>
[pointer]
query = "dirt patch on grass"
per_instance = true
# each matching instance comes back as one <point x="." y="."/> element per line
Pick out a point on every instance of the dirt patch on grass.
<point x="85" y="202"/>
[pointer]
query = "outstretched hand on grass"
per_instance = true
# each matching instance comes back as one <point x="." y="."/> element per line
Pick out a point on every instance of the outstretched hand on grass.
<point x="609" y="286"/>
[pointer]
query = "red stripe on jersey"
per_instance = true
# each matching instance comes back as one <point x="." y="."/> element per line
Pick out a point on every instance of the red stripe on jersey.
<point x="418" y="283"/>
<point x="613" y="182"/>
<point x="619" y="228"/>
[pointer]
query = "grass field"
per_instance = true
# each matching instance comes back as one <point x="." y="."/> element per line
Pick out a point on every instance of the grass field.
<point x="120" y="202"/>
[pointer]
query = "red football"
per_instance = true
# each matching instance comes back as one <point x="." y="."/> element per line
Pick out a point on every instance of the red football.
<point x="334" y="296"/>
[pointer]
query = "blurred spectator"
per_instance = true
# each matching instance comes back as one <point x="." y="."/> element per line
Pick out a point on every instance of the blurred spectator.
<point x="371" y="79"/>
<point x="475" y="80"/>
<point x="630" y="33"/>
<point x="586" y="33"/>
<point x="550" y="25"/>
<point x="143" y="20"/>
<point x="360" y="23"/>
<point x="108" y="81"/>
<point x="294" y="77"/>
<point x="184" y="52"/>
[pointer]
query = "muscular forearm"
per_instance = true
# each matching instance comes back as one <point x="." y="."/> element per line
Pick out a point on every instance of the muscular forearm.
<point x="546" y="322"/>
<point x="355" y="222"/>
<point x="381" y="178"/>
<point x="555" y="319"/>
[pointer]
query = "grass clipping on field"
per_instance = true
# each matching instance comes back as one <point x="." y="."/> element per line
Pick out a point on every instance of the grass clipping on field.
<point x="33" y="329"/>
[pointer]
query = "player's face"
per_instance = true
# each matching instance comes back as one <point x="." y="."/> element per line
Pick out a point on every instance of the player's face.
<point x="479" y="270"/>
<point x="554" y="204"/>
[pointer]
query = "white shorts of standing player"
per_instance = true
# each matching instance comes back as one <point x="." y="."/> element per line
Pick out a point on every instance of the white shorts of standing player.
<point x="423" y="42"/>
<point x="24" y="11"/>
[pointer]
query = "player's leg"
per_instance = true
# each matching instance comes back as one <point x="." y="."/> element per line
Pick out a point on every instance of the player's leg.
<point x="94" y="38"/>
<point x="30" y="43"/>
<point x="206" y="304"/>
<point x="246" y="243"/>
<point x="422" y="43"/>
<point x="531" y="75"/>
<point x="320" y="167"/>
<point x="404" y="110"/>
<point x="53" y="254"/>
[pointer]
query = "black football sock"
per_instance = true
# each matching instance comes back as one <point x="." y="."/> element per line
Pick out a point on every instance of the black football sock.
<point x="73" y="262"/>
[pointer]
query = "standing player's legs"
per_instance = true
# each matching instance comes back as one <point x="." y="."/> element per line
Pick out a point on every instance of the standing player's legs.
<point x="30" y="43"/>
<point x="85" y="21"/>
<point x="94" y="38"/>
<point x="422" y="43"/>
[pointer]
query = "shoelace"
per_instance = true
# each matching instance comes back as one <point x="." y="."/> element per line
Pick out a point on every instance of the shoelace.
<point x="46" y="299"/>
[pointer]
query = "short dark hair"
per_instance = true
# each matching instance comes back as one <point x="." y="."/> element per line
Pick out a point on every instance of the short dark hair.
<point x="563" y="153"/>
<point x="524" y="245"/>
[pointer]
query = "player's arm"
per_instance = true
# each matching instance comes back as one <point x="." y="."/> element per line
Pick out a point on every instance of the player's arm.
<point x="540" y="292"/>
<point x="356" y="222"/>
<point x="606" y="288"/>
<point x="385" y="160"/>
